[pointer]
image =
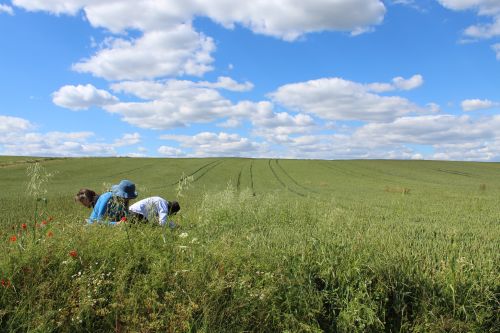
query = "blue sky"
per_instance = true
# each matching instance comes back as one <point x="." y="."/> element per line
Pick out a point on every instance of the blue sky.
<point x="322" y="79"/>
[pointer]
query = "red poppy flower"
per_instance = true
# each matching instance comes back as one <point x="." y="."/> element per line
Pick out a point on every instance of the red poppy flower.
<point x="123" y="219"/>
<point x="13" y="238"/>
<point x="5" y="283"/>
<point x="44" y="222"/>
<point x="73" y="253"/>
<point x="24" y="226"/>
<point x="50" y="234"/>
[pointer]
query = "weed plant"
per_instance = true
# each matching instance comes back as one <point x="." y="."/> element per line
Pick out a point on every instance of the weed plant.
<point x="271" y="262"/>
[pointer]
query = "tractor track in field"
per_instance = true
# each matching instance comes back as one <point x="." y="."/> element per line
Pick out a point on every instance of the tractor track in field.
<point x="340" y="170"/>
<point x="239" y="180"/>
<point x="454" y="172"/>
<point x="282" y="182"/>
<point x="293" y="179"/>
<point x="251" y="179"/>
<point x="204" y="169"/>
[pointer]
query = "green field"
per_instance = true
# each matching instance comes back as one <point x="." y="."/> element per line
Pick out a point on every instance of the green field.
<point x="264" y="245"/>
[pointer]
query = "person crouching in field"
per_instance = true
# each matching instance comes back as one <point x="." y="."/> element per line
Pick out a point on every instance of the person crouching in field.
<point x="111" y="206"/>
<point x="154" y="210"/>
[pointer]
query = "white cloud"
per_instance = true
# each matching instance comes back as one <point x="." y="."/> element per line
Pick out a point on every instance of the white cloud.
<point x="339" y="99"/>
<point x="408" y="84"/>
<point x="289" y="19"/>
<point x="484" y="30"/>
<point x="213" y="144"/>
<point x="82" y="97"/>
<point x="474" y="151"/>
<point x="478" y="104"/>
<point x="278" y="126"/>
<point x="496" y="48"/>
<point x="177" y="51"/>
<point x="230" y="123"/>
<point x="17" y="138"/>
<point x="170" y="151"/>
<point x="14" y="124"/>
<point x="286" y="19"/>
<point x="170" y="104"/>
<point x="398" y="83"/>
<point x="483" y="8"/>
<point x="54" y="144"/>
<point x="54" y="6"/>
<point x="128" y="140"/>
<point x="433" y="107"/>
<point x="6" y="9"/>
<point x="224" y="82"/>
<point x="168" y="45"/>
<point x="428" y="130"/>
<point x="447" y="136"/>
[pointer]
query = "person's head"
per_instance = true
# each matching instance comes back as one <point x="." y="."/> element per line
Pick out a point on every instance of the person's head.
<point x="124" y="191"/>
<point x="173" y="208"/>
<point x="86" y="197"/>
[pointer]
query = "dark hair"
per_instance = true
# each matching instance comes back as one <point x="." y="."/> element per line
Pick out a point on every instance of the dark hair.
<point x="174" y="207"/>
<point x="90" y="195"/>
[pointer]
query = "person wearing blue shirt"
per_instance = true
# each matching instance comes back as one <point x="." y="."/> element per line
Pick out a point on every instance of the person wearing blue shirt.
<point x="108" y="207"/>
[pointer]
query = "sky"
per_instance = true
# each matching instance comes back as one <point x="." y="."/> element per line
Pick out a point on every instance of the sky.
<point x="317" y="79"/>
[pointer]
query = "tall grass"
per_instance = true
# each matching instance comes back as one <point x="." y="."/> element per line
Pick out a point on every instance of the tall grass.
<point x="241" y="262"/>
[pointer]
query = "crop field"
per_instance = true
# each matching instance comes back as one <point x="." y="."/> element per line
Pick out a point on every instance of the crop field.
<point x="262" y="245"/>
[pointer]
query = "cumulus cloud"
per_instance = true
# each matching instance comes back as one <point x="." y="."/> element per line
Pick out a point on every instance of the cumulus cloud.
<point x="484" y="30"/>
<point x="128" y="140"/>
<point x="82" y="97"/>
<point x="339" y="99"/>
<point x="478" y="104"/>
<point x="215" y="144"/>
<point x="398" y="83"/>
<point x="278" y="126"/>
<point x="157" y="53"/>
<point x="483" y="8"/>
<point x="168" y="151"/>
<point x="54" y="144"/>
<point x="224" y="82"/>
<point x="170" y="104"/>
<point x="55" y="7"/>
<point x="496" y="48"/>
<point x="6" y="9"/>
<point x="230" y="123"/>
<point x="168" y="44"/>
<point x="408" y="84"/>
<point x="286" y="19"/>
<point x="448" y="137"/>
<point x="18" y="138"/>
<point x="14" y="124"/>
<point x="428" y="130"/>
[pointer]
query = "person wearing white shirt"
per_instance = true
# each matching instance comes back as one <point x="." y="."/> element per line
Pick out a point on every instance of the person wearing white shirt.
<point x="154" y="209"/>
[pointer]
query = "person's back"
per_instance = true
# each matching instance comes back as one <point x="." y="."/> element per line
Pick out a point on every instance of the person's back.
<point x="154" y="209"/>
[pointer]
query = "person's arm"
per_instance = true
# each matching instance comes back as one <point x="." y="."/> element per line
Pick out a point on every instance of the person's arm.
<point x="100" y="207"/>
<point x="162" y="211"/>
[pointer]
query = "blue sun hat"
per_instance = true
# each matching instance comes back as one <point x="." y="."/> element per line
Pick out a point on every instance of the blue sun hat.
<point x="126" y="189"/>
